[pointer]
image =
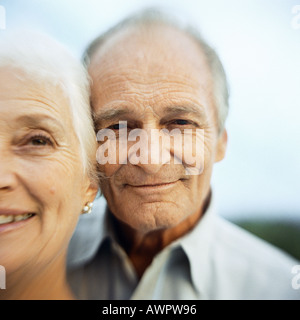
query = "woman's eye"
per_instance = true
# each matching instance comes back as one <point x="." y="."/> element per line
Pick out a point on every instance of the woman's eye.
<point x="40" y="141"/>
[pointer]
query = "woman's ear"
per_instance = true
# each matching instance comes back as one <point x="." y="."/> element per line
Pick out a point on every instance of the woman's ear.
<point x="221" y="146"/>
<point x="91" y="191"/>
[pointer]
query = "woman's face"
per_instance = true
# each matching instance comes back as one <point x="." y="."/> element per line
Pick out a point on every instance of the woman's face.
<point x="42" y="190"/>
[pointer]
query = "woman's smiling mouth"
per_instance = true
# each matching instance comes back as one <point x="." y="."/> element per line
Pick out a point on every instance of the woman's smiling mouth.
<point x="4" y="219"/>
<point x="11" y="219"/>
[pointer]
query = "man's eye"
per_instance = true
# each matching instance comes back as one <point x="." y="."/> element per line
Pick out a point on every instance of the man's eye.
<point x="114" y="127"/>
<point x="117" y="126"/>
<point x="181" y="122"/>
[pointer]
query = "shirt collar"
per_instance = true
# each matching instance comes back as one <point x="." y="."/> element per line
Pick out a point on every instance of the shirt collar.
<point x="94" y="228"/>
<point x="197" y="245"/>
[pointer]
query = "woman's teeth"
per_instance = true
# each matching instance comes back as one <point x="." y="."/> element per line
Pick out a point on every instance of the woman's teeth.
<point x="11" y="218"/>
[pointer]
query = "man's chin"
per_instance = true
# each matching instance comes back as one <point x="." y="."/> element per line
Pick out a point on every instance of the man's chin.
<point x="147" y="229"/>
<point x="152" y="224"/>
<point x="146" y="217"/>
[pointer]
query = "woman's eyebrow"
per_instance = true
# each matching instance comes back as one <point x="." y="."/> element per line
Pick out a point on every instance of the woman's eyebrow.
<point x="41" y="121"/>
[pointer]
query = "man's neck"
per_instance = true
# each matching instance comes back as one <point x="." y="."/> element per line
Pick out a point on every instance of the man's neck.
<point x="142" y="248"/>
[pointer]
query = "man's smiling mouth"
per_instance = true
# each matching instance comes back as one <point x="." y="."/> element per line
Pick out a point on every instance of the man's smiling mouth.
<point x="152" y="187"/>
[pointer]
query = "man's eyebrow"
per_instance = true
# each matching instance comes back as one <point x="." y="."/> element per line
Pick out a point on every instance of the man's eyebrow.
<point x="111" y="114"/>
<point x="196" y="110"/>
<point x="117" y="113"/>
<point x="40" y="120"/>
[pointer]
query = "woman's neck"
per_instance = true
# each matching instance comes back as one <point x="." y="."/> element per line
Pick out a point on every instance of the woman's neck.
<point x="48" y="283"/>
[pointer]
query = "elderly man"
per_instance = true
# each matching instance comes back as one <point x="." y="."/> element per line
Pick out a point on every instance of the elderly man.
<point x="158" y="237"/>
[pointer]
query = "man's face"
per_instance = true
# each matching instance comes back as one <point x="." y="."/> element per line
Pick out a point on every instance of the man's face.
<point x="155" y="79"/>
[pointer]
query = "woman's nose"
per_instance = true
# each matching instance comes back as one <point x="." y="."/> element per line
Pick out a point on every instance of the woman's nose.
<point x="7" y="173"/>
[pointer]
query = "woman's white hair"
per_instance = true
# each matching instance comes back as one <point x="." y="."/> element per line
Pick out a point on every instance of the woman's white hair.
<point x="44" y="60"/>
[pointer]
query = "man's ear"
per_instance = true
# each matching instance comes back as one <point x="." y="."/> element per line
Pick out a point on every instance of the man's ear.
<point x="221" y="146"/>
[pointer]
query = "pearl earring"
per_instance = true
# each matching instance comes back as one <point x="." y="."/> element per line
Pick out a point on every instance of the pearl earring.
<point x="88" y="208"/>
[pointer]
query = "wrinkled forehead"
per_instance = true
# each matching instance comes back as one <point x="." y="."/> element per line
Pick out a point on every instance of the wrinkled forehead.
<point x="26" y="93"/>
<point x="152" y="49"/>
<point x="150" y="66"/>
<point x="36" y="82"/>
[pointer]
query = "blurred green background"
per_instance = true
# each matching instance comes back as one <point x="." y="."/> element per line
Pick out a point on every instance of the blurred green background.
<point x="283" y="234"/>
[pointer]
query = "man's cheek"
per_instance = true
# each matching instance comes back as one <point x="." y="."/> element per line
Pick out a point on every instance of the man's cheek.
<point x="108" y="170"/>
<point x="192" y="151"/>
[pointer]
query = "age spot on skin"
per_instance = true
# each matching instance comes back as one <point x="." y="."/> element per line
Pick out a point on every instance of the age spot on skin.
<point x="52" y="190"/>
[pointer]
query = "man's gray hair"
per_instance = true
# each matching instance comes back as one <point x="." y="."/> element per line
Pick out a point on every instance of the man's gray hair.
<point x="42" y="59"/>
<point x="151" y="17"/>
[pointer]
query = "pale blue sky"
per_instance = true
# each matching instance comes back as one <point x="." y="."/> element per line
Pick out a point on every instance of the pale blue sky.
<point x="261" y="53"/>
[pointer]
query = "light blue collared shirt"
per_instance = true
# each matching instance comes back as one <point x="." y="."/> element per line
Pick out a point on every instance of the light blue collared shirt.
<point x="216" y="260"/>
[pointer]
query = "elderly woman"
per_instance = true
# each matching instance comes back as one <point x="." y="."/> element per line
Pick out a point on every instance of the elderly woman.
<point x="47" y="163"/>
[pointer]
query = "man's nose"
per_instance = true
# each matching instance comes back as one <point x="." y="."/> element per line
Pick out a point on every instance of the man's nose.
<point x="150" y="169"/>
<point x="152" y="155"/>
